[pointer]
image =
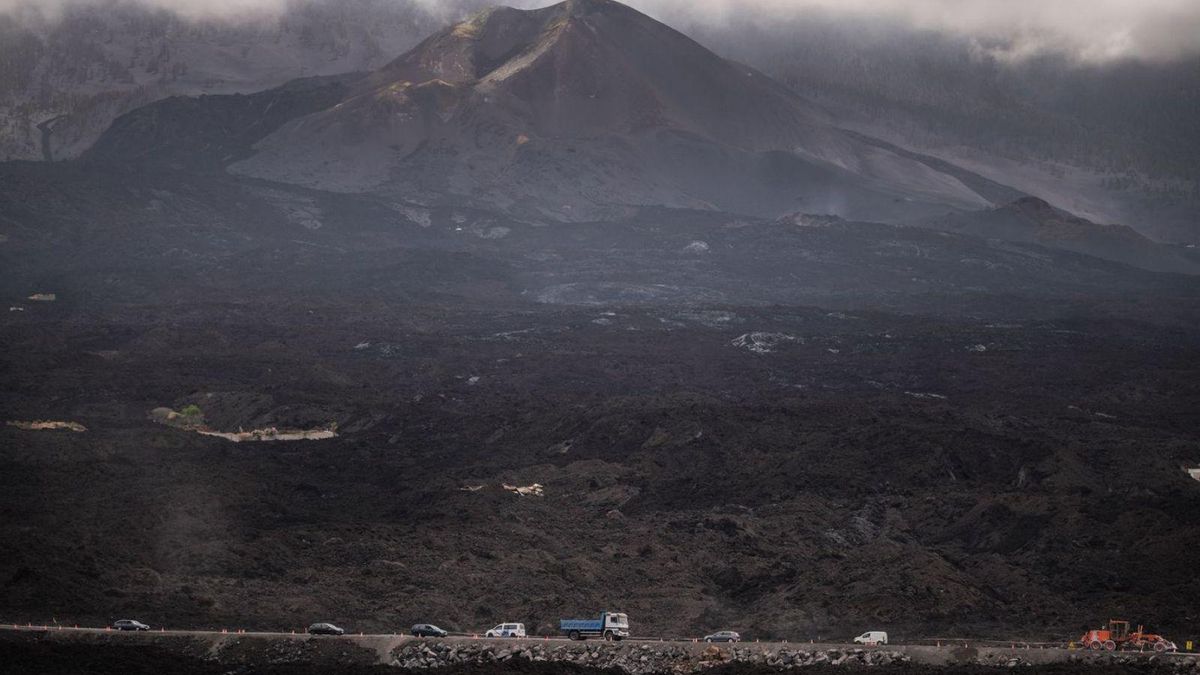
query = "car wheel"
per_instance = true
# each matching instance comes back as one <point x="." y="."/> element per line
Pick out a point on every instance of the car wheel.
<point x="608" y="635"/>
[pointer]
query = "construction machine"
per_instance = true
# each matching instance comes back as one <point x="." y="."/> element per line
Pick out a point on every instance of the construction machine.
<point x="1116" y="635"/>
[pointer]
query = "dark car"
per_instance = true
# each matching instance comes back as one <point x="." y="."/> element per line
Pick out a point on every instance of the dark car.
<point x="428" y="630"/>
<point x="129" y="624"/>
<point x="723" y="636"/>
<point x="325" y="629"/>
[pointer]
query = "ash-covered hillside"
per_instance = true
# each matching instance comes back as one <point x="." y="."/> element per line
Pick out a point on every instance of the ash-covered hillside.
<point x="585" y="108"/>
<point x="66" y="72"/>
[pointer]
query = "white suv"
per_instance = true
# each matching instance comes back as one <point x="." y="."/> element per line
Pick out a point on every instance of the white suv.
<point x="507" y="630"/>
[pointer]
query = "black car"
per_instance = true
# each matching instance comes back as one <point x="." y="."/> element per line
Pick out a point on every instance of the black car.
<point x="325" y="629"/>
<point x="723" y="636"/>
<point x="129" y="624"/>
<point x="428" y="630"/>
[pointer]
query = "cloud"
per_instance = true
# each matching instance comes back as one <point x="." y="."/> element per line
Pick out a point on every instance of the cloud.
<point x="1094" y="30"/>
<point x="196" y="9"/>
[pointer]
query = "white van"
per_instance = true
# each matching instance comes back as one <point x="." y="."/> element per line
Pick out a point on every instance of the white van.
<point x="872" y="637"/>
<point x="507" y="630"/>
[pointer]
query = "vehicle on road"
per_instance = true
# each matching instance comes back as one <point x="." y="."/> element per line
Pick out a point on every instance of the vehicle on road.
<point x="129" y="624"/>
<point x="507" y="630"/>
<point x="1116" y="635"/>
<point x="872" y="637"/>
<point x="723" y="636"/>
<point x="611" y="626"/>
<point x="325" y="629"/>
<point x="428" y="630"/>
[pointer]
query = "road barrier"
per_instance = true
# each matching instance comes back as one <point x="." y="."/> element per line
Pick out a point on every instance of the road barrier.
<point x="1188" y="646"/>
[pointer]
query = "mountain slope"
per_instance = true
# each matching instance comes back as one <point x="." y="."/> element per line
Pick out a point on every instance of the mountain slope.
<point x="65" y="76"/>
<point x="587" y="106"/>
<point x="1033" y="220"/>
<point x="1113" y="142"/>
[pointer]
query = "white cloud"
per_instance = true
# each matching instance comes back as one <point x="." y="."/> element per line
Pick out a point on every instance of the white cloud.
<point x="1096" y="30"/>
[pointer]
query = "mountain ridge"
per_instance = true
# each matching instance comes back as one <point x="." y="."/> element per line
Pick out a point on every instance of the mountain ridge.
<point x="580" y="111"/>
<point x="1034" y="220"/>
<point x="579" y="108"/>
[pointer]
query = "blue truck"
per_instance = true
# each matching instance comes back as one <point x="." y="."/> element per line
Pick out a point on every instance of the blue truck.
<point x="610" y="626"/>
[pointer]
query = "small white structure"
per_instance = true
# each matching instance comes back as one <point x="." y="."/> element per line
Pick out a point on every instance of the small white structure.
<point x="534" y="490"/>
<point x="47" y="425"/>
<point x="1194" y="473"/>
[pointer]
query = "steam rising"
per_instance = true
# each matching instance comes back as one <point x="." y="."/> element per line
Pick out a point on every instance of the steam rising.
<point x="1092" y="30"/>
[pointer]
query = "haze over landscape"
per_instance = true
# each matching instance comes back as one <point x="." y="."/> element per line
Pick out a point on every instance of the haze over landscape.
<point x="795" y="318"/>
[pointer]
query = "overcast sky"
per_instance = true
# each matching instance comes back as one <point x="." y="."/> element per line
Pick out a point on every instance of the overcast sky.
<point x="1097" y="30"/>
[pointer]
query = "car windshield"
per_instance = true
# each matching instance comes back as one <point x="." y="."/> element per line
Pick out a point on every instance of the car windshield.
<point x="620" y="620"/>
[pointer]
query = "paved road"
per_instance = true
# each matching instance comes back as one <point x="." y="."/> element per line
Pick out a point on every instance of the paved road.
<point x="460" y="637"/>
<point x="385" y="644"/>
<point x="301" y="633"/>
<point x="949" y="643"/>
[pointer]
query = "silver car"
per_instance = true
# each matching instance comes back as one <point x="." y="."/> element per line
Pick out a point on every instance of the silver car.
<point x="129" y="624"/>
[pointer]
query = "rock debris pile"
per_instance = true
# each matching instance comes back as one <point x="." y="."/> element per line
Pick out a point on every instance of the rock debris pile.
<point x="636" y="659"/>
